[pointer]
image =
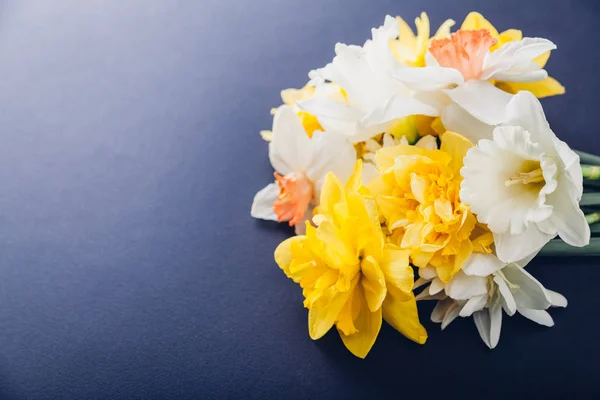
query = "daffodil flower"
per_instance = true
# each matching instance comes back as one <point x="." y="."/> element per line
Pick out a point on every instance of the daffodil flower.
<point x="456" y="80"/>
<point x="351" y="278"/>
<point x="525" y="184"/>
<point x="376" y="102"/>
<point x="410" y="49"/>
<point x="301" y="163"/>
<point x="483" y="289"/>
<point x="541" y="88"/>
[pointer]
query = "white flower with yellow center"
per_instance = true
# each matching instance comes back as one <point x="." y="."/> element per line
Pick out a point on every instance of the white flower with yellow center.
<point x="459" y="78"/>
<point x="525" y="184"/>
<point x="375" y="102"/>
<point x="301" y="162"/>
<point x="483" y="289"/>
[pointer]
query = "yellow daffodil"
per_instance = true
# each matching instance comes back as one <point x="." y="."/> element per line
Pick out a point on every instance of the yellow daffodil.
<point x="417" y="192"/>
<point x="350" y="276"/>
<point x="410" y="49"/>
<point x="543" y="88"/>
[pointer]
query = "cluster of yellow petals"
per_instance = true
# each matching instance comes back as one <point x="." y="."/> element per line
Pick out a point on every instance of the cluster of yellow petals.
<point x="351" y="277"/>
<point x="544" y="88"/>
<point x="417" y="193"/>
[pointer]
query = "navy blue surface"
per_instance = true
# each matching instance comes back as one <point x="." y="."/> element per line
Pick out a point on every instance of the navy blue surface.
<point x="129" y="265"/>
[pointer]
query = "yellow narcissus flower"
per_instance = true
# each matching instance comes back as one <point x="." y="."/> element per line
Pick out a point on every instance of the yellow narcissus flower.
<point x="350" y="276"/>
<point x="417" y="192"/>
<point x="410" y="49"/>
<point x="543" y="88"/>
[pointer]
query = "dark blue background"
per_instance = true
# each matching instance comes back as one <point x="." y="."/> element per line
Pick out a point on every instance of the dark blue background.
<point x="129" y="157"/>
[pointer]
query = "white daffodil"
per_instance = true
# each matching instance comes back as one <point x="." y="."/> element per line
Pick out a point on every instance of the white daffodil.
<point x="525" y="184"/>
<point x="456" y="80"/>
<point x="483" y="289"/>
<point x="375" y="102"/>
<point x="301" y="163"/>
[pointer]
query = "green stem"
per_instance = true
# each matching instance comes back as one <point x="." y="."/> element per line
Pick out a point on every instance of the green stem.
<point x="591" y="172"/>
<point x="557" y="247"/>
<point x="590" y="199"/>
<point x="593" y="217"/>
<point x="587" y="158"/>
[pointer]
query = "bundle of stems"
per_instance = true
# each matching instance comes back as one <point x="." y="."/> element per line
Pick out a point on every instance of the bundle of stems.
<point x="590" y="204"/>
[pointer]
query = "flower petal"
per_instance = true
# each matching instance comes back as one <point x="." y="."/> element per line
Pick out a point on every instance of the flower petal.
<point x="325" y="311"/>
<point x="333" y="115"/>
<point x="331" y="152"/>
<point x="567" y="217"/>
<point x="557" y="299"/>
<point x="540" y="316"/>
<point x="513" y="248"/>
<point x="479" y="264"/>
<point x="508" y="301"/>
<point x="451" y="313"/>
<point x="473" y="305"/>
<point x="495" y="323"/>
<point x="514" y="55"/>
<point x="456" y="119"/>
<point x="367" y="324"/>
<point x="290" y="148"/>
<point x="429" y="78"/>
<point x="440" y="309"/>
<point x="482" y="100"/>
<point x="456" y="146"/>
<point x="531" y="294"/>
<point x="373" y="283"/>
<point x="525" y="110"/>
<point x="402" y="315"/>
<point x="262" y="206"/>
<point x="463" y="287"/>
<point x="483" y="323"/>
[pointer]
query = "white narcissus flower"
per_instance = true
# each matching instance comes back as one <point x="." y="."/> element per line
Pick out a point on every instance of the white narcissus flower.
<point x="456" y="80"/>
<point x="483" y="289"/>
<point x="301" y="163"/>
<point x="525" y="184"/>
<point x="375" y="102"/>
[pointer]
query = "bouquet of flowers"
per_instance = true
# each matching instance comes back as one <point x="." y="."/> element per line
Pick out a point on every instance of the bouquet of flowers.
<point x="430" y="154"/>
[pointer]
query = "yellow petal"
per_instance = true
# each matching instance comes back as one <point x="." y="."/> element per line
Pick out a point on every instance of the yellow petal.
<point x="332" y="193"/>
<point x="266" y="135"/>
<point x="457" y="146"/>
<point x="406" y="36"/>
<point x="510" y="35"/>
<point x="544" y="88"/>
<point x="283" y="252"/>
<point x="367" y="324"/>
<point x="373" y="283"/>
<point x="325" y="311"/>
<point x="396" y="268"/>
<point x="542" y="59"/>
<point x="444" y="29"/>
<point x="475" y="21"/>
<point x="355" y="181"/>
<point x="338" y="251"/>
<point x="402" y="314"/>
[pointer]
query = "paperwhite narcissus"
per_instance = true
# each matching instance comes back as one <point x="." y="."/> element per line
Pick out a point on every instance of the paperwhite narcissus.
<point x="483" y="289"/>
<point x="375" y="101"/>
<point x="456" y="80"/>
<point x="525" y="184"/>
<point x="301" y="163"/>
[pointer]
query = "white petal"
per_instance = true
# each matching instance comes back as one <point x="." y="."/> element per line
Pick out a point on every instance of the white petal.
<point x="495" y="323"/>
<point x="331" y="152"/>
<point x="531" y="73"/>
<point x="479" y="264"/>
<point x="463" y="287"/>
<point x="396" y="107"/>
<point x="333" y="115"/>
<point x="508" y="301"/>
<point x="427" y="142"/>
<point x="473" y="305"/>
<point x="420" y="282"/>
<point x="540" y="316"/>
<point x="377" y="51"/>
<point x="440" y="309"/>
<point x="427" y="273"/>
<point x="428" y="78"/>
<point x="482" y="100"/>
<point x="456" y="119"/>
<point x="513" y="248"/>
<point x="436" y="286"/>
<point x="557" y="299"/>
<point x="567" y="217"/>
<point x="571" y="165"/>
<point x="525" y="110"/>
<point x="514" y="54"/>
<point x="262" y="206"/>
<point x="483" y="323"/>
<point x="531" y="294"/>
<point x="290" y="148"/>
<point x="369" y="173"/>
<point x="451" y="314"/>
